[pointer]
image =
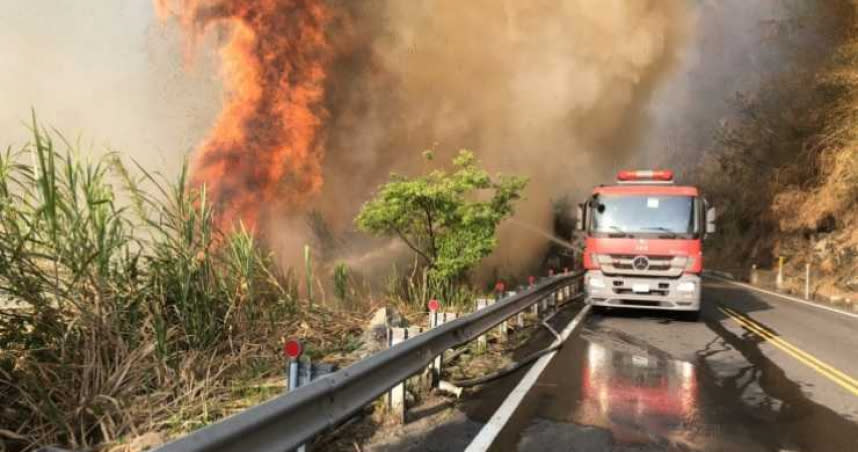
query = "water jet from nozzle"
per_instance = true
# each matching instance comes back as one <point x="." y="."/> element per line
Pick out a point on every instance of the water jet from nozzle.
<point x="547" y="235"/>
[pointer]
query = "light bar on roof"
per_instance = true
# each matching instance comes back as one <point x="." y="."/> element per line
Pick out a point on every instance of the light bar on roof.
<point x="645" y="175"/>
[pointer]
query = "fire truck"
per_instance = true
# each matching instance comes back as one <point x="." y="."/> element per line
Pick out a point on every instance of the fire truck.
<point x="644" y="243"/>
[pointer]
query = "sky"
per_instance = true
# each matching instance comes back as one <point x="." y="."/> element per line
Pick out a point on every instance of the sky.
<point x="106" y="73"/>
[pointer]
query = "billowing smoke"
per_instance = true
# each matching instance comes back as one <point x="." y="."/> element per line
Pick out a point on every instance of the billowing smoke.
<point x="735" y="48"/>
<point x="325" y="98"/>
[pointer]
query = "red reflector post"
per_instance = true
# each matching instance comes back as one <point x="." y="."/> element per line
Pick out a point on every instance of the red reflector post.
<point x="293" y="349"/>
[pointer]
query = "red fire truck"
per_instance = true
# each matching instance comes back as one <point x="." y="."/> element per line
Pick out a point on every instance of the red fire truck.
<point x="644" y="239"/>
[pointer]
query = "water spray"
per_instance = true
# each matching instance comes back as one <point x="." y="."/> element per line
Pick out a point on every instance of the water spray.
<point x="549" y="236"/>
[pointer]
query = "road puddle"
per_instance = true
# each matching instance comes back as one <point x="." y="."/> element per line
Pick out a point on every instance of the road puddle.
<point x="637" y="396"/>
<point x="628" y="398"/>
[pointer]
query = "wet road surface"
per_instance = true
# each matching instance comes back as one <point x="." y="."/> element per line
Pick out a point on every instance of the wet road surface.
<point x="646" y="381"/>
<point x="756" y="373"/>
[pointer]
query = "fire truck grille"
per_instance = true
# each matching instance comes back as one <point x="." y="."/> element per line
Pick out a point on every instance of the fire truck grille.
<point x="624" y="291"/>
<point x="627" y="262"/>
<point x="630" y="264"/>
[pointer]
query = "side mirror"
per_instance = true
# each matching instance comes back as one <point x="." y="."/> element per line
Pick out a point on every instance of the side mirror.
<point x="710" y="220"/>
<point x="579" y="218"/>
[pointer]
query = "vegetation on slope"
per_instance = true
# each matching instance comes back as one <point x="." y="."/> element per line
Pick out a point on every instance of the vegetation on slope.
<point x="783" y="168"/>
<point x="118" y="318"/>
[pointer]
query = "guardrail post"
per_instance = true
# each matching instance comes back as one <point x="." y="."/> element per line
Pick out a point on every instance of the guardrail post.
<point x="534" y="308"/>
<point x="437" y="319"/>
<point x="396" y="397"/>
<point x="502" y="328"/>
<point x="519" y="318"/>
<point x="482" y="341"/>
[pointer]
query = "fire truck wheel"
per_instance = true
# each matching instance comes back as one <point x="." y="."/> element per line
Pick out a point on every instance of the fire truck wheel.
<point x="690" y="316"/>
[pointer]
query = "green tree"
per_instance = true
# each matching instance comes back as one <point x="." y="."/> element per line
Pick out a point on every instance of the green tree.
<point x="449" y="219"/>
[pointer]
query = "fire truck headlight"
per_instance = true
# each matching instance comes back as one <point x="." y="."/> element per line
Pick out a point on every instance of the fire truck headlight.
<point x="686" y="286"/>
<point x="599" y="260"/>
<point x="683" y="262"/>
<point x="596" y="283"/>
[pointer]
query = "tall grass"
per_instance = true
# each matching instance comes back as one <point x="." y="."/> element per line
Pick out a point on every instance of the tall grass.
<point x="117" y="295"/>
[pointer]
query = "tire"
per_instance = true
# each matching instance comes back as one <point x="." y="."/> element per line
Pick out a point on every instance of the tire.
<point x="690" y="316"/>
<point x="600" y="310"/>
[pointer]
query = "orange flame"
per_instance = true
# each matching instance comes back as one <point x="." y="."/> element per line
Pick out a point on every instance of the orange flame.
<point x="266" y="147"/>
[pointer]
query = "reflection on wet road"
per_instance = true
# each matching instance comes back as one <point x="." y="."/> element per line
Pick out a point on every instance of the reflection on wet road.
<point x="609" y="399"/>
<point x="636" y="396"/>
<point x="648" y="382"/>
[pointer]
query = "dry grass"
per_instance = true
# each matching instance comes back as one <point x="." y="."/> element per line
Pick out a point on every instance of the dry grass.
<point x="125" y="318"/>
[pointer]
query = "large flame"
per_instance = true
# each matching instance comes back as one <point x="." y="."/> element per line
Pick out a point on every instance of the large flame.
<point x="265" y="149"/>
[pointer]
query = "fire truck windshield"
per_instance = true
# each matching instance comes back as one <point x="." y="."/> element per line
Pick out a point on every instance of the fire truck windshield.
<point x="660" y="216"/>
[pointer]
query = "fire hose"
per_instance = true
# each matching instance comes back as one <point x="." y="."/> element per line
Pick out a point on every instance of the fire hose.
<point x="506" y="370"/>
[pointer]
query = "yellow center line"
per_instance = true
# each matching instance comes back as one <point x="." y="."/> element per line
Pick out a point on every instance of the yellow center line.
<point x="808" y="356"/>
<point x="845" y="381"/>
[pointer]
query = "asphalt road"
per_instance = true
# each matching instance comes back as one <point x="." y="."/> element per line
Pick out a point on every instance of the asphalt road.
<point x="757" y="372"/>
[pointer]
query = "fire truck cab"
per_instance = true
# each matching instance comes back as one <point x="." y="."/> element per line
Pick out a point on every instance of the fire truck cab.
<point x="643" y="243"/>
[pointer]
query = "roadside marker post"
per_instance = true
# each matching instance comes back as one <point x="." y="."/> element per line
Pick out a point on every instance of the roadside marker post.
<point x="293" y="351"/>
<point x="753" y="279"/>
<point x="807" y="281"/>
<point x="433" y="306"/>
<point x="300" y="371"/>
<point x="779" y="279"/>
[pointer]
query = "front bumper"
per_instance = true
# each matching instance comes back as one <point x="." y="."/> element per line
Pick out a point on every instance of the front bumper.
<point x="643" y="293"/>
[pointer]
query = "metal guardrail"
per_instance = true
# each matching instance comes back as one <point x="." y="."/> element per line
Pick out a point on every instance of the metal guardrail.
<point x="286" y="422"/>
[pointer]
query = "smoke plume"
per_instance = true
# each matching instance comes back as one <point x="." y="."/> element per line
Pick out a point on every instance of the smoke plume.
<point x="326" y="98"/>
<point x="735" y="48"/>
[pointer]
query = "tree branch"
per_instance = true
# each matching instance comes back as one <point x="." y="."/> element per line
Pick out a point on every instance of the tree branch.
<point x="416" y="250"/>
<point x="434" y="249"/>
